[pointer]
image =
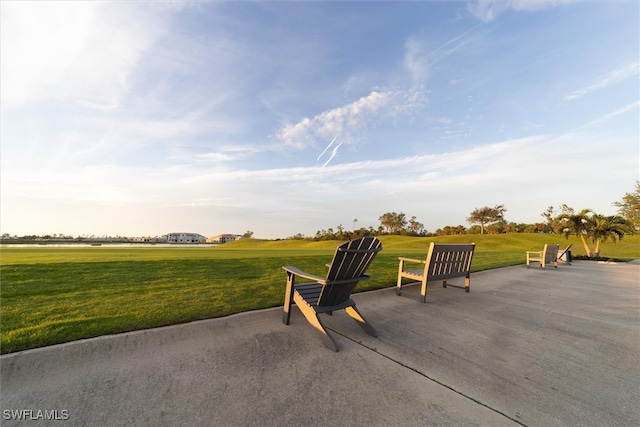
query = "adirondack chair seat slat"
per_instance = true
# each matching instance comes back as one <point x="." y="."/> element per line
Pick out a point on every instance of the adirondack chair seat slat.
<point x="310" y="292"/>
<point x="333" y="292"/>
<point x="444" y="261"/>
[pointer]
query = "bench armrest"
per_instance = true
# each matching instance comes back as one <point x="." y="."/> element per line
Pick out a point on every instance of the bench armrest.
<point x="417" y="261"/>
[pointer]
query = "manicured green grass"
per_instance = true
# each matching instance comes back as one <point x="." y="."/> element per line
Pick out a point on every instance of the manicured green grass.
<point x="51" y="295"/>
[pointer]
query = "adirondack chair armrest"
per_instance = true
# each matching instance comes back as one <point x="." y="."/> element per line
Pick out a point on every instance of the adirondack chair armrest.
<point x="564" y="252"/>
<point x="297" y="272"/>
<point x="539" y="253"/>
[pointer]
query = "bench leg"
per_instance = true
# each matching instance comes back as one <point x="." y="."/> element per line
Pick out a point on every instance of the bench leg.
<point x="467" y="284"/>
<point x="423" y="289"/>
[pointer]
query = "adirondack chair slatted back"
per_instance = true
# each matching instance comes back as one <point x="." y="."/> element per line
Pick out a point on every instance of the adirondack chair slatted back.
<point x="565" y="255"/>
<point x="447" y="260"/>
<point x="551" y="253"/>
<point x="350" y="263"/>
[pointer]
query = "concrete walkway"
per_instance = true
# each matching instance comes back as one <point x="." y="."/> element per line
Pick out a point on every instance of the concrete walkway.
<point x="524" y="347"/>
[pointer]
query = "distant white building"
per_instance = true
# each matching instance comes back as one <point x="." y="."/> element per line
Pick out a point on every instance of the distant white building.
<point x="224" y="238"/>
<point x="184" y="238"/>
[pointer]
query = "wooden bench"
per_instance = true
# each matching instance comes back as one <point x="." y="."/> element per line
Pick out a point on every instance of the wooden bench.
<point x="444" y="261"/>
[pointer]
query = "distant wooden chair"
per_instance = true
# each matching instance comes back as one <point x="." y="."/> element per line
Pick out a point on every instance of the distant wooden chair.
<point x="548" y="255"/>
<point x="565" y="255"/>
<point x="444" y="261"/>
<point x="333" y="292"/>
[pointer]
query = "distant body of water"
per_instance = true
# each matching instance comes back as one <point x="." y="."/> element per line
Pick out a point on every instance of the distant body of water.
<point x="110" y="245"/>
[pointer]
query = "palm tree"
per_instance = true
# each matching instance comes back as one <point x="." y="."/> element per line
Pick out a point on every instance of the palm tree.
<point x="598" y="228"/>
<point x="605" y="228"/>
<point x="578" y="224"/>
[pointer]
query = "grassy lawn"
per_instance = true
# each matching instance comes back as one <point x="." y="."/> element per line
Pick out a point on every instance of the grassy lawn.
<point x="51" y="295"/>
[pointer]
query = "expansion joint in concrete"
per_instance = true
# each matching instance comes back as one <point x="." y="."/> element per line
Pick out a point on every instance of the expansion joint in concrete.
<point x="404" y="365"/>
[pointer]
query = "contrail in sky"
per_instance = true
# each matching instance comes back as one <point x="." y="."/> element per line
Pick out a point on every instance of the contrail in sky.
<point x="333" y="154"/>
<point x="325" y="150"/>
<point x="453" y="40"/>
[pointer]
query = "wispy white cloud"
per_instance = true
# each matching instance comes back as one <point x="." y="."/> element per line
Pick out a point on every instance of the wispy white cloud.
<point x="100" y="139"/>
<point x="214" y="157"/>
<point x="39" y="41"/>
<point x="619" y="111"/>
<point x="419" y="53"/>
<point x="453" y="182"/>
<point x="143" y="126"/>
<point x="416" y="51"/>
<point x="222" y="155"/>
<point x="349" y="121"/>
<point x="82" y="52"/>
<point x="609" y="79"/>
<point x="488" y="10"/>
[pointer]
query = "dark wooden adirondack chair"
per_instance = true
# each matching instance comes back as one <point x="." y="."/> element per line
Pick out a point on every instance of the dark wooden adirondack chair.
<point x="565" y="255"/>
<point x="325" y="295"/>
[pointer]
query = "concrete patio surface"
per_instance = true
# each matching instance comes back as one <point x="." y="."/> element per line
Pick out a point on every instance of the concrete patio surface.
<point x="552" y="347"/>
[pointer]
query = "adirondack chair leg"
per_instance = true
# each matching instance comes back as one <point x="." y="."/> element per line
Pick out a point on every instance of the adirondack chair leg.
<point x="313" y="318"/>
<point x="366" y="326"/>
<point x="328" y="340"/>
<point x="288" y="298"/>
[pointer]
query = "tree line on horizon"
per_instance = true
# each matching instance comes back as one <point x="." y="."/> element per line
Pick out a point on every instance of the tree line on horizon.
<point x="588" y="225"/>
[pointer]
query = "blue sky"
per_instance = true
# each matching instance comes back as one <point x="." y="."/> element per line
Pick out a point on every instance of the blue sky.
<point x="144" y="118"/>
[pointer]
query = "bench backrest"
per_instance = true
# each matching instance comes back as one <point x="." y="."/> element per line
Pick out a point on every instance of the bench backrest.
<point x="446" y="261"/>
